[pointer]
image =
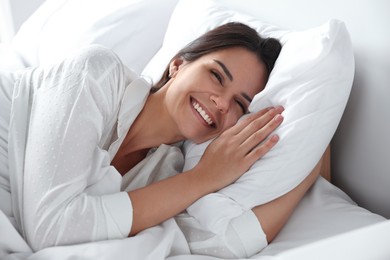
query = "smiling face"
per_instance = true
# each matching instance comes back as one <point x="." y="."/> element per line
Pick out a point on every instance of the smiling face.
<point x="210" y="94"/>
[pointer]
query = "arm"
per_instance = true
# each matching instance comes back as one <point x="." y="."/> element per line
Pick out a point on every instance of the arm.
<point x="237" y="231"/>
<point x="223" y="162"/>
<point x="274" y="214"/>
<point x="161" y="200"/>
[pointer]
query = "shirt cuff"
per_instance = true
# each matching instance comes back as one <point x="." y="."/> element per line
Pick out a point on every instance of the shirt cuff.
<point x="119" y="212"/>
<point x="250" y="233"/>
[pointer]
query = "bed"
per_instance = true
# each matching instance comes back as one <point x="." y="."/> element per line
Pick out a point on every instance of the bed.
<point x="346" y="210"/>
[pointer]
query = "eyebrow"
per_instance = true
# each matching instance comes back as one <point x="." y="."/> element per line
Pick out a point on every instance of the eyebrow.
<point x="227" y="72"/>
<point x="225" y="69"/>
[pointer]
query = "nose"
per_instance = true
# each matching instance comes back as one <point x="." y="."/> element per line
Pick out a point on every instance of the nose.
<point x="221" y="103"/>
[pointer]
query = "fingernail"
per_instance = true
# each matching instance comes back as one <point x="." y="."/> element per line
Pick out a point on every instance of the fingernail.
<point x="278" y="118"/>
<point x="274" y="138"/>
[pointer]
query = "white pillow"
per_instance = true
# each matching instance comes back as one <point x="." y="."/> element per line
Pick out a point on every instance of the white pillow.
<point x="10" y="58"/>
<point x="312" y="79"/>
<point x="134" y="29"/>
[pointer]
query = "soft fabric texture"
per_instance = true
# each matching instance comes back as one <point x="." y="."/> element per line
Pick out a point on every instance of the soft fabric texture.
<point x="312" y="79"/>
<point x="66" y="124"/>
<point x="129" y="27"/>
<point x="10" y="58"/>
<point x="166" y="161"/>
<point x="324" y="212"/>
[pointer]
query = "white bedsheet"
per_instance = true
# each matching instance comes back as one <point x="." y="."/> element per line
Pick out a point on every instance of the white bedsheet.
<point x="324" y="212"/>
<point x="155" y="243"/>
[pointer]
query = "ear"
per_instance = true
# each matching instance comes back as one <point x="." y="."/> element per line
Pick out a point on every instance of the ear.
<point x="175" y="66"/>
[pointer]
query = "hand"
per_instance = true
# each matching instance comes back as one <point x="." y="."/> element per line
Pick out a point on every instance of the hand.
<point x="224" y="161"/>
<point x="232" y="153"/>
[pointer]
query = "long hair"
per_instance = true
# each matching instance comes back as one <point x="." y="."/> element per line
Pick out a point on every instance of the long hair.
<point x="228" y="35"/>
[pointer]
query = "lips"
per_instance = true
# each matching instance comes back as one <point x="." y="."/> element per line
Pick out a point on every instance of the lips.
<point x="202" y="112"/>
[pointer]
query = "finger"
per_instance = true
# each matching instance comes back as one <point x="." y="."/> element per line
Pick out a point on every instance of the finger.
<point x="262" y="149"/>
<point x="258" y="123"/>
<point x="237" y="128"/>
<point x="259" y="136"/>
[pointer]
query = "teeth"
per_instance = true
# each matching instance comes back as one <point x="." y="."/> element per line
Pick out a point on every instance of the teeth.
<point x="202" y="113"/>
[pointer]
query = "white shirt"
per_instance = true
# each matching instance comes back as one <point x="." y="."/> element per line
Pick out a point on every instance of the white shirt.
<point x="67" y="123"/>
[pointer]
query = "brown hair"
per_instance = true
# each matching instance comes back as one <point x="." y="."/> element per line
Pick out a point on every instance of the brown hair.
<point x="228" y="35"/>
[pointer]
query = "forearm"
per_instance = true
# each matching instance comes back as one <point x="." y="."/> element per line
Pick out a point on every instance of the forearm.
<point x="274" y="214"/>
<point x="223" y="162"/>
<point x="162" y="200"/>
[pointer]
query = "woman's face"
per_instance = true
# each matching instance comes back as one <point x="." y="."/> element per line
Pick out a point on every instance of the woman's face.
<point x="209" y="95"/>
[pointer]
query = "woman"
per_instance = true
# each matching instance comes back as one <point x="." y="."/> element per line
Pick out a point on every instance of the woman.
<point x="73" y="129"/>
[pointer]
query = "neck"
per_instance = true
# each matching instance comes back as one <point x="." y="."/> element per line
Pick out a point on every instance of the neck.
<point x="153" y="126"/>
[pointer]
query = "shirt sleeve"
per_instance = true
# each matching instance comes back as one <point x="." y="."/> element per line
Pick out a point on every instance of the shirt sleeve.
<point x="75" y="103"/>
<point x="233" y="229"/>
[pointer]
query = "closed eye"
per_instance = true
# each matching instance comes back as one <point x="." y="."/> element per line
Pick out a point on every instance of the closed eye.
<point x="217" y="76"/>
<point x="242" y="106"/>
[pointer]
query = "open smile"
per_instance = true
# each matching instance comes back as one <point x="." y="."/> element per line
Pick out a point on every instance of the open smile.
<point x="203" y="114"/>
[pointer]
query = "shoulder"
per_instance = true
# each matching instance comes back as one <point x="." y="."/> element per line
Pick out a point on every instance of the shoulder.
<point x="103" y="62"/>
<point x="100" y="64"/>
<point x="96" y="59"/>
<point x="97" y="54"/>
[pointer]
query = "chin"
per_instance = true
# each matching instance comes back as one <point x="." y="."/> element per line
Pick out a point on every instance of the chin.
<point x="197" y="134"/>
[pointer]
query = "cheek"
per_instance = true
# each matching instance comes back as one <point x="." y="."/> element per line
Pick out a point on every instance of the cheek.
<point x="175" y="93"/>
